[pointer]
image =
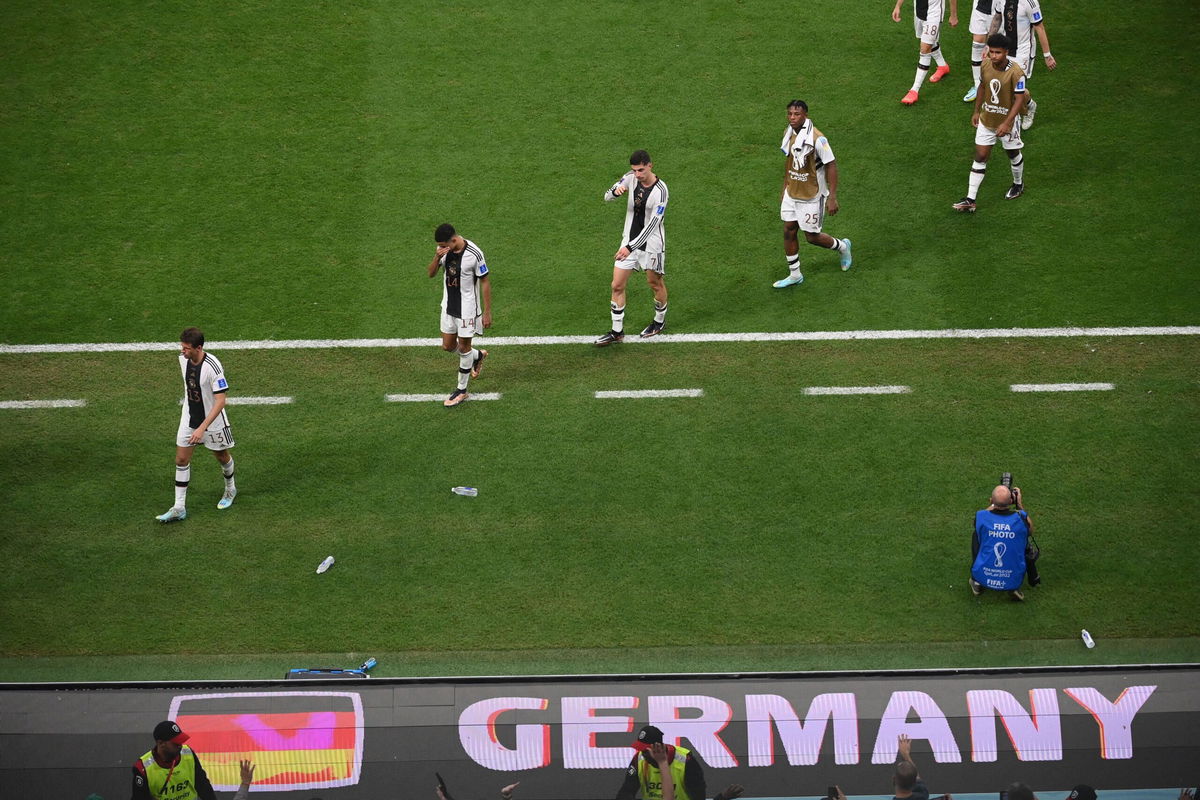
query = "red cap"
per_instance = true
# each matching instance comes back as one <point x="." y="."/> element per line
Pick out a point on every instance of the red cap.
<point x="167" y="731"/>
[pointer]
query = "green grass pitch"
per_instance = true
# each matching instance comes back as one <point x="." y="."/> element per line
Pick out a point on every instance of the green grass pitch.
<point x="269" y="171"/>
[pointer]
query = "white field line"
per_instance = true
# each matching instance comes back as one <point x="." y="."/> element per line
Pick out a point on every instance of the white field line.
<point x="857" y="390"/>
<point x="15" y="404"/>
<point x="1062" y="387"/>
<point x="429" y="398"/>
<point x="642" y="393"/>
<point x="682" y="338"/>
<point x="251" y="400"/>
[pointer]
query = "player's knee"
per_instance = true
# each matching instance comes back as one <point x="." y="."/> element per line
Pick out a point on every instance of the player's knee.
<point x="812" y="238"/>
<point x="182" y="461"/>
<point x="449" y="347"/>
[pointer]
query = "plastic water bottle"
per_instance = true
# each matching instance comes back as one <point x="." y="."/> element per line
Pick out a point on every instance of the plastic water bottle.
<point x="325" y="565"/>
<point x="465" y="491"/>
<point x="368" y="664"/>
<point x="1087" y="639"/>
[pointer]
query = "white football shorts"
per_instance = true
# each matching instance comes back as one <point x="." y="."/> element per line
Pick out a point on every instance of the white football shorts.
<point x="987" y="136"/>
<point x="980" y="23"/>
<point x="640" y="261"/>
<point x="928" y="30"/>
<point x="466" y="328"/>
<point x="809" y="214"/>
<point x="217" y="437"/>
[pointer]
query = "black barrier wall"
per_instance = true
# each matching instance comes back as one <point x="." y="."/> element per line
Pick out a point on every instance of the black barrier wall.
<point x="779" y="735"/>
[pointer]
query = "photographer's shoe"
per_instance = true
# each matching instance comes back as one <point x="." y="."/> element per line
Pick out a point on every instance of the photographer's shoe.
<point x="1016" y="595"/>
<point x="976" y="586"/>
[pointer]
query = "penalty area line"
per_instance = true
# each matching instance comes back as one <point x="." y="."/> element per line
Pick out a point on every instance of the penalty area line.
<point x="1062" y="387"/>
<point x="20" y="404"/>
<point x="642" y="393"/>
<point x="429" y="398"/>
<point x="828" y="390"/>
<point x="679" y="338"/>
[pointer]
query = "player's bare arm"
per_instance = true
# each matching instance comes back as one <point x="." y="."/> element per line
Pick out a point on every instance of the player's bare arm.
<point x="1044" y="40"/>
<point x="218" y="405"/>
<point x="896" y="11"/>
<point x="831" y="180"/>
<point x="433" y="265"/>
<point x="953" y="13"/>
<point x="486" y="286"/>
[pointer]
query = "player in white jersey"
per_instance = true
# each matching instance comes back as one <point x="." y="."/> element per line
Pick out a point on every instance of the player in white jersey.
<point x="927" y="20"/>
<point x="643" y="244"/>
<point x="202" y="421"/>
<point x="1019" y="20"/>
<point x="466" y="303"/>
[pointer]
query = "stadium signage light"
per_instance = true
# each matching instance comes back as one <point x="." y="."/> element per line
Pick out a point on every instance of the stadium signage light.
<point x="1034" y="733"/>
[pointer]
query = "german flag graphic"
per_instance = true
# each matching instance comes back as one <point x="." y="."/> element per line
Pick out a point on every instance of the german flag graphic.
<point x="297" y="740"/>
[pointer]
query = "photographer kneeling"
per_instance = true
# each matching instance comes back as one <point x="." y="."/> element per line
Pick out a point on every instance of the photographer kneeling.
<point x="1002" y="549"/>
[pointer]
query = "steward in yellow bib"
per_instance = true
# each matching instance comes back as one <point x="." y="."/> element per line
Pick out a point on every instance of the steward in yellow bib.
<point x="170" y="770"/>
<point x="682" y="772"/>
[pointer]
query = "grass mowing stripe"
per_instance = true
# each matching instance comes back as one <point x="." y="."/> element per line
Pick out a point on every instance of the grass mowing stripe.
<point x="822" y="390"/>
<point x="645" y="393"/>
<point x="429" y="398"/>
<point x="786" y="336"/>
<point x="21" y="404"/>
<point x="1063" y="387"/>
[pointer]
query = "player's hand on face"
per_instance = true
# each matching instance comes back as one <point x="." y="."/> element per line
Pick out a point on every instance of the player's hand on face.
<point x="441" y="251"/>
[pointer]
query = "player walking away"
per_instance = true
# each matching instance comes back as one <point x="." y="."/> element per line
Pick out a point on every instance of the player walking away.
<point x="1017" y="20"/>
<point x="982" y="14"/>
<point x="463" y="315"/>
<point x="1001" y="98"/>
<point x="810" y="182"/>
<point x="643" y="244"/>
<point x="202" y="420"/>
<point x="927" y="20"/>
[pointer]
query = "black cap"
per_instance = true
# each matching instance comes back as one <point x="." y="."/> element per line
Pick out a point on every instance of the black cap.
<point x="1083" y="792"/>
<point x="647" y="736"/>
<point x="167" y="731"/>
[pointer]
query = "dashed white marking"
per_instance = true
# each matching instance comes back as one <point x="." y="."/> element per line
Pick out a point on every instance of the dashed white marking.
<point x="794" y="336"/>
<point x="633" y="395"/>
<point x="240" y="400"/>
<point x="1063" y="387"/>
<point x="16" y="404"/>
<point x="857" y="390"/>
<point x="429" y="398"/>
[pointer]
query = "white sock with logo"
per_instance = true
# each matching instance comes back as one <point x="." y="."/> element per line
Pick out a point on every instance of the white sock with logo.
<point x="1018" y="168"/>
<point x="977" y="49"/>
<point x="977" y="171"/>
<point x="618" y="317"/>
<point x="922" y="70"/>
<point x="465" y="362"/>
<point x="182" y="476"/>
